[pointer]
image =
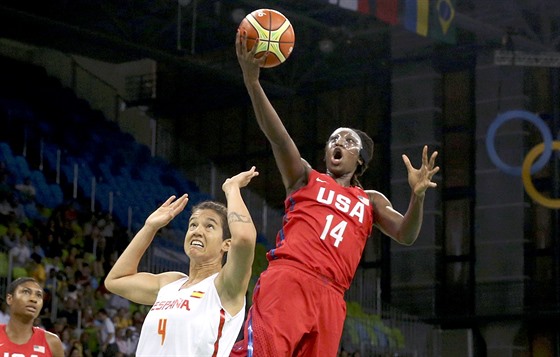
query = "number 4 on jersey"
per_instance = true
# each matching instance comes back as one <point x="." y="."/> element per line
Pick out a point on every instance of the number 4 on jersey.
<point x="162" y="328"/>
<point x="337" y="232"/>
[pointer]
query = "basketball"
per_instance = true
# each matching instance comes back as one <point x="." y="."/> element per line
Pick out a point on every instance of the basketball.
<point x="274" y="32"/>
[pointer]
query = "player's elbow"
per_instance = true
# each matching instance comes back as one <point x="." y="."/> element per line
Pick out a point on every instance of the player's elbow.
<point x="110" y="284"/>
<point x="408" y="240"/>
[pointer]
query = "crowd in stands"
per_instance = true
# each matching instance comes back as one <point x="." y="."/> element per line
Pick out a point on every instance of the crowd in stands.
<point x="68" y="250"/>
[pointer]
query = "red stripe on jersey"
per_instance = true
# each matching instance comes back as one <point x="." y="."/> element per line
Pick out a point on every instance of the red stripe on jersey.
<point x="220" y="330"/>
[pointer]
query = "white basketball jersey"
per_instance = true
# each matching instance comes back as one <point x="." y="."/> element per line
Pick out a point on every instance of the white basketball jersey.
<point x="189" y="322"/>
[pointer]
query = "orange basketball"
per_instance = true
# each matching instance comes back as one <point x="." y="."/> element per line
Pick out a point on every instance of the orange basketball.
<point x="275" y="33"/>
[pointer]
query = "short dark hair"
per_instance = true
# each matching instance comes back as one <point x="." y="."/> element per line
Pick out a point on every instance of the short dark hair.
<point x="14" y="284"/>
<point x="220" y="209"/>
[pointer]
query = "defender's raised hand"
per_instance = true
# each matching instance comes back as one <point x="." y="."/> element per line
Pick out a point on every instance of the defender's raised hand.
<point x="167" y="211"/>
<point x="240" y="180"/>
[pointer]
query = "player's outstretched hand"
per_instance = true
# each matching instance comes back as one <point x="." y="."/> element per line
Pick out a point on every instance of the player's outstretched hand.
<point x="421" y="179"/>
<point x="249" y="64"/>
<point x="240" y="180"/>
<point x="167" y="211"/>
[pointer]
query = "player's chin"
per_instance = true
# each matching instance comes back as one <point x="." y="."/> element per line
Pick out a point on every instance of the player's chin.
<point x="335" y="163"/>
<point x="193" y="251"/>
<point x="32" y="313"/>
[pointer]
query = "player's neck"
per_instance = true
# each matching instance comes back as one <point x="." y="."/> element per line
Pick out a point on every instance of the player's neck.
<point x="344" y="180"/>
<point x="199" y="273"/>
<point x="19" y="331"/>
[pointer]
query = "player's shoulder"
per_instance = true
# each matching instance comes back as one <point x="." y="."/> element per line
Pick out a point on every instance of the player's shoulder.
<point x="170" y="277"/>
<point x="49" y="335"/>
<point x="54" y="342"/>
<point x="377" y="197"/>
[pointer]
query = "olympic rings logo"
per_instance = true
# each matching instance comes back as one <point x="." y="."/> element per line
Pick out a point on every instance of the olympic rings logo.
<point x="529" y="166"/>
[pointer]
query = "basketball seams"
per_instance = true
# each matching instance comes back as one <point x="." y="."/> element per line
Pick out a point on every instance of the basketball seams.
<point x="272" y="32"/>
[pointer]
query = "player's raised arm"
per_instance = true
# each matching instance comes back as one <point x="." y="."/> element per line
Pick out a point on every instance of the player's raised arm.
<point x="235" y="275"/>
<point x="124" y="279"/>
<point x="286" y="153"/>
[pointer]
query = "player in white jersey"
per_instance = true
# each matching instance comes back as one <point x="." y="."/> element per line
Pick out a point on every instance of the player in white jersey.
<point x="199" y="314"/>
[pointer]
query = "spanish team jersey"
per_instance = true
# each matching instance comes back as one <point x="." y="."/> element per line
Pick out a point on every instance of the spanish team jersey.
<point x="325" y="228"/>
<point x="189" y="322"/>
<point x="37" y="345"/>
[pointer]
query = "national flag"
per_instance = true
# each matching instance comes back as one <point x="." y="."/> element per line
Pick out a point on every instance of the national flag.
<point x="416" y="15"/>
<point x="443" y="26"/>
<point x="387" y="11"/>
<point x="366" y="6"/>
<point x="197" y="294"/>
<point x="40" y="349"/>
<point x="433" y="18"/>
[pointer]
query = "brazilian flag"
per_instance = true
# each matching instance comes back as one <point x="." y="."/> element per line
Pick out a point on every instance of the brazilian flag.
<point x="431" y="18"/>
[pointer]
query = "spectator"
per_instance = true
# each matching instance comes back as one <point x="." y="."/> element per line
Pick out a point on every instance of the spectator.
<point x="53" y="263"/>
<point x="51" y="285"/>
<point x="125" y="342"/>
<point x="98" y="271"/>
<point x="122" y="319"/>
<point x="66" y="338"/>
<point x="116" y="302"/>
<point x="52" y="246"/>
<point x="88" y="297"/>
<point x="8" y="206"/>
<point x="21" y="252"/>
<point x="107" y="338"/>
<point x="26" y="191"/>
<point x="61" y="284"/>
<point x="11" y="238"/>
<point x="70" y="311"/>
<point x="14" y="209"/>
<point x="107" y="226"/>
<point x="36" y="269"/>
<point x="76" y="349"/>
<point x="85" y="278"/>
<point x="89" y="343"/>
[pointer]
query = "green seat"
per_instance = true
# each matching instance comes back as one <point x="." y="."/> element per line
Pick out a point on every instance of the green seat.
<point x="19" y="272"/>
<point x="4" y="265"/>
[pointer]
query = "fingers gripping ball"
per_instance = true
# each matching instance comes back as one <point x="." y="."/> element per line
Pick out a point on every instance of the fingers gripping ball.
<point x="274" y="32"/>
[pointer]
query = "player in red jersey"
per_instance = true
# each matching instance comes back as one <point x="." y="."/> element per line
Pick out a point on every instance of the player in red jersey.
<point x="298" y="303"/>
<point x="19" y="337"/>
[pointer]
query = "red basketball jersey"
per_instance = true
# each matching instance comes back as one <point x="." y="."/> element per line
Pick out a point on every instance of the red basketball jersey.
<point x="325" y="228"/>
<point x="37" y="345"/>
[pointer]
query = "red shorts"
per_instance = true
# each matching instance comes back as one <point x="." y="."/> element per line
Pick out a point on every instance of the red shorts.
<point x="295" y="312"/>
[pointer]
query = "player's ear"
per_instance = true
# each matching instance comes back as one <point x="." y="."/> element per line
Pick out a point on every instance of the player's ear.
<point x="226" y="245"/>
